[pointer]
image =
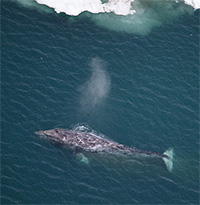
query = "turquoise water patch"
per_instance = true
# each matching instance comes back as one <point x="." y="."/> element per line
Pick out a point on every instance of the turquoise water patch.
<point x="149" y="15"/>
<point x="32" y="4"/>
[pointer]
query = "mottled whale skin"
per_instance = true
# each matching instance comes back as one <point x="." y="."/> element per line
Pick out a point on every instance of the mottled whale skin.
<point x="89" y="142"/>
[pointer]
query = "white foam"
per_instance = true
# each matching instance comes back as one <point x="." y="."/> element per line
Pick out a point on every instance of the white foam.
<point x="75" y="7"/>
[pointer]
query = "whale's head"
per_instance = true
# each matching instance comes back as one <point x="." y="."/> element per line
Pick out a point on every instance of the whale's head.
<point x="58" y="135"/>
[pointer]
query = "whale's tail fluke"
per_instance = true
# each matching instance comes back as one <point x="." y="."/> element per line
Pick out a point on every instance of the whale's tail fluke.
<point x="169" y="159"/>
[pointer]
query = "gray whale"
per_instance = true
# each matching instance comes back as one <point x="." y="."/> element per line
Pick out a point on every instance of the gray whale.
<point x="89" y="142"/>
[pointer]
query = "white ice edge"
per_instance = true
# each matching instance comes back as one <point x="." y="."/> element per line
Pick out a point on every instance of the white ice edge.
<point x="75" y="7"/>
<point x="119" y="7"/>
<point x="194" y="3"/>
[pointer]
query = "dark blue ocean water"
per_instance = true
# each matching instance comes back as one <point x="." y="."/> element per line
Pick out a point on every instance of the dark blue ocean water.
<point x="141" y="91"/>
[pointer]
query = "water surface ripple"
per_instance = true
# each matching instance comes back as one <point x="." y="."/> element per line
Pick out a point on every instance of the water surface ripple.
<point x="152" y="104"/>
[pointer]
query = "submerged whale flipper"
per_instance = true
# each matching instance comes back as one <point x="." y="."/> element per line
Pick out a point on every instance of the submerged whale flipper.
<point x="169" y="159"/>
<point x="82" y="158"/>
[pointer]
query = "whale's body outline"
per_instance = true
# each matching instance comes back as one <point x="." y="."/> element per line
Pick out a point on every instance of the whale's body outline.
<point x="89" y="142"/>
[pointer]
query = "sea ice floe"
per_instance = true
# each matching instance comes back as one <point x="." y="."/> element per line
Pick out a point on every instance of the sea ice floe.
<point x="119" y="7"/>
<point x="75" y="7"/>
